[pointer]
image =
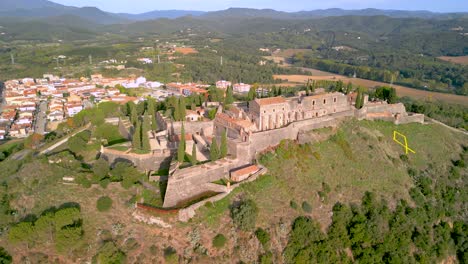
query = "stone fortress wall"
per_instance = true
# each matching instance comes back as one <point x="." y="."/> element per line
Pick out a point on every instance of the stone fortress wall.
<point x="193" y="181"/>
<point x="264" y="124"/>
<point x="145" y="162"/>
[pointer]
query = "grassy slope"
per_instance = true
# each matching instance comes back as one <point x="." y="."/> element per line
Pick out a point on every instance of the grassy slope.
<point x="296" y="174"/>
<point x="375" y="166"/>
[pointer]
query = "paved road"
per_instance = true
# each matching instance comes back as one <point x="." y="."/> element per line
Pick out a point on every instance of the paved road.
<point x="41" y="118"/>
<point x="62" y="141"/>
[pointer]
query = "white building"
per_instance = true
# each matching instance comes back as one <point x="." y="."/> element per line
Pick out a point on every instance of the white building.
<point x="223" y="84"/>
<point x="241" y="88"/>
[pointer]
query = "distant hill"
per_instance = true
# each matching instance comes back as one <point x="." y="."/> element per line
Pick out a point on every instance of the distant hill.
<point x="332" y="12"/>
<point x="10" y="5"/>
<point x="161" y="14"/>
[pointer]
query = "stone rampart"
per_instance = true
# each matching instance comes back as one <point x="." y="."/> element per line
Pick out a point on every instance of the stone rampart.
<point x="188" y="183"/>
<point x="195" y="127"/>
<point x="144" y="162"/>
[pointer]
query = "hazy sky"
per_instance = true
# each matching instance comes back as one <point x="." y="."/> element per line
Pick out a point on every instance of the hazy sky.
<point x="138" y="6"/>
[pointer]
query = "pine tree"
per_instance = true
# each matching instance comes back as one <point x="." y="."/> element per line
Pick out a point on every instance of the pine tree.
<point x="177" y="113"/>
<point x="339" y="86"/>
<point x="150" y="106"/>
<point x="214" y="150"/>
<point x="224" y="147"/>
<point x="182" y="108"/>
<point x="145" y="145"/>
<point x="154" y="123"/>
<point x="194" y="160"/>
<point x="181" y="148"/>
<point x="136" y="140"/>
<point x="229" y="99"/>
<point x="181" y="151"/>
<point x="252" y="94"/>
<point x="146" y="122"/>
<point x="359" y="99"/>
<point x="349" y="88"/>
<point x="133" y="113"/>
<point x="182" y="134"/>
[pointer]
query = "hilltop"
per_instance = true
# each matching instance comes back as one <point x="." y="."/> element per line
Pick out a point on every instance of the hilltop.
<point x="341" y="166"/>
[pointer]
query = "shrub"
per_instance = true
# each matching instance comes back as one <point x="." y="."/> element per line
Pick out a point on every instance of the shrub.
<point x="219" y="240"/>
<point x="306" y="207"/>
<point x="104" y="183"/>
<point x="5" y="257"/>
<point x="244" y="215"/>
<point x="170" y="255"/>
<point x="293" y="205"/>
<point x="104" y="203"/>
<point x="266" y="258"/>
<point x="83" y="181"/>
<point x="262" y="236"/>
<point x="109" y="253"/>
<point x="404" y="158"/>
<point x="101" y="168"/>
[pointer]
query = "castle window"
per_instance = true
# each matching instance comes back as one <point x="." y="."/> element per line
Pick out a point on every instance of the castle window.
<point x="313" y="102"/>
<point x="273" y="110"/>
<point x="324" y="101"/>
<point x="264" y="111"/>
<point x="334" y="100"/>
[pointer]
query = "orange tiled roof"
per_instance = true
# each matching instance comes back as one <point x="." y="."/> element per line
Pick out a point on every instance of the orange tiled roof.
<point x="247" y="170"/>
<point x="271" y="100"/>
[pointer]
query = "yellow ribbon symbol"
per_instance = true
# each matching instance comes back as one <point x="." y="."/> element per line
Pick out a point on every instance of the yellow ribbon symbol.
<point x="404" y="143"/>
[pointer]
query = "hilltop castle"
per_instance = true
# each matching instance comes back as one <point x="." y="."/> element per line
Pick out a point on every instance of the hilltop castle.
<point x="252" y="128"/>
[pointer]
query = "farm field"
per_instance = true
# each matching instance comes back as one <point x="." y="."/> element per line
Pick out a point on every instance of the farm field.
<point x="401" y="90"/>
<point x="463" y="60"/>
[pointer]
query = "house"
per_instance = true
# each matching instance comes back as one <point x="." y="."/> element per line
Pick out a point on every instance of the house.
<point x="244" y="173"/>
<point x="241" y="88"/>
<point x="56" y="115"/>
<point x="145" y="60"/>
<point x="192" y="115"/>
<point x="73" y="108"/>
<point x="223" y="84"/>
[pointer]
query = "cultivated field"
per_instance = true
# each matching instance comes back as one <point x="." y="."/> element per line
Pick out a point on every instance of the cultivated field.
<point x="463" y="60"/>
<point x="401" y="90"/>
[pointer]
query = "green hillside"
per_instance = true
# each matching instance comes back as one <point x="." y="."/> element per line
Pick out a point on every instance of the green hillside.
<point x="303" y="180"/>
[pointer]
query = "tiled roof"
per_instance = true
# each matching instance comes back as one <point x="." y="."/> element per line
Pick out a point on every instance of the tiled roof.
<point x="245" y="171"/>
<point x="271" y="100"/>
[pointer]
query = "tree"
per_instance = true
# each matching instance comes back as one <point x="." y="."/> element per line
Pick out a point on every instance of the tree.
<point x="193" y="159"/>
<point x="182" y="109"/>
<point x="262" y="236"/>
<point x="21" y="232"/>
<point x="154" y="123"/>
<point x="76" y="144"/>
<point x="136" y="139"/>
<point x="104" y="204"/>
<point x="219" y="240"/>
<point x="223" y="148"/>
<point x="145" y="144"/>
<point x="5" y="257"/>
<point x="252" y="94"/>
<point x="229" y="99"/>
<point x="244" y="215"/>
<point x="182" y="145"/>
<point x="349" y="88"/>
<point x="132" y="112"/>
<point x="359" y="99"/>
<point x="339" y="86"/>
<point x="101" y="168"/>
<point x="214" y="150"/>
<point x="109" y="253"/>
